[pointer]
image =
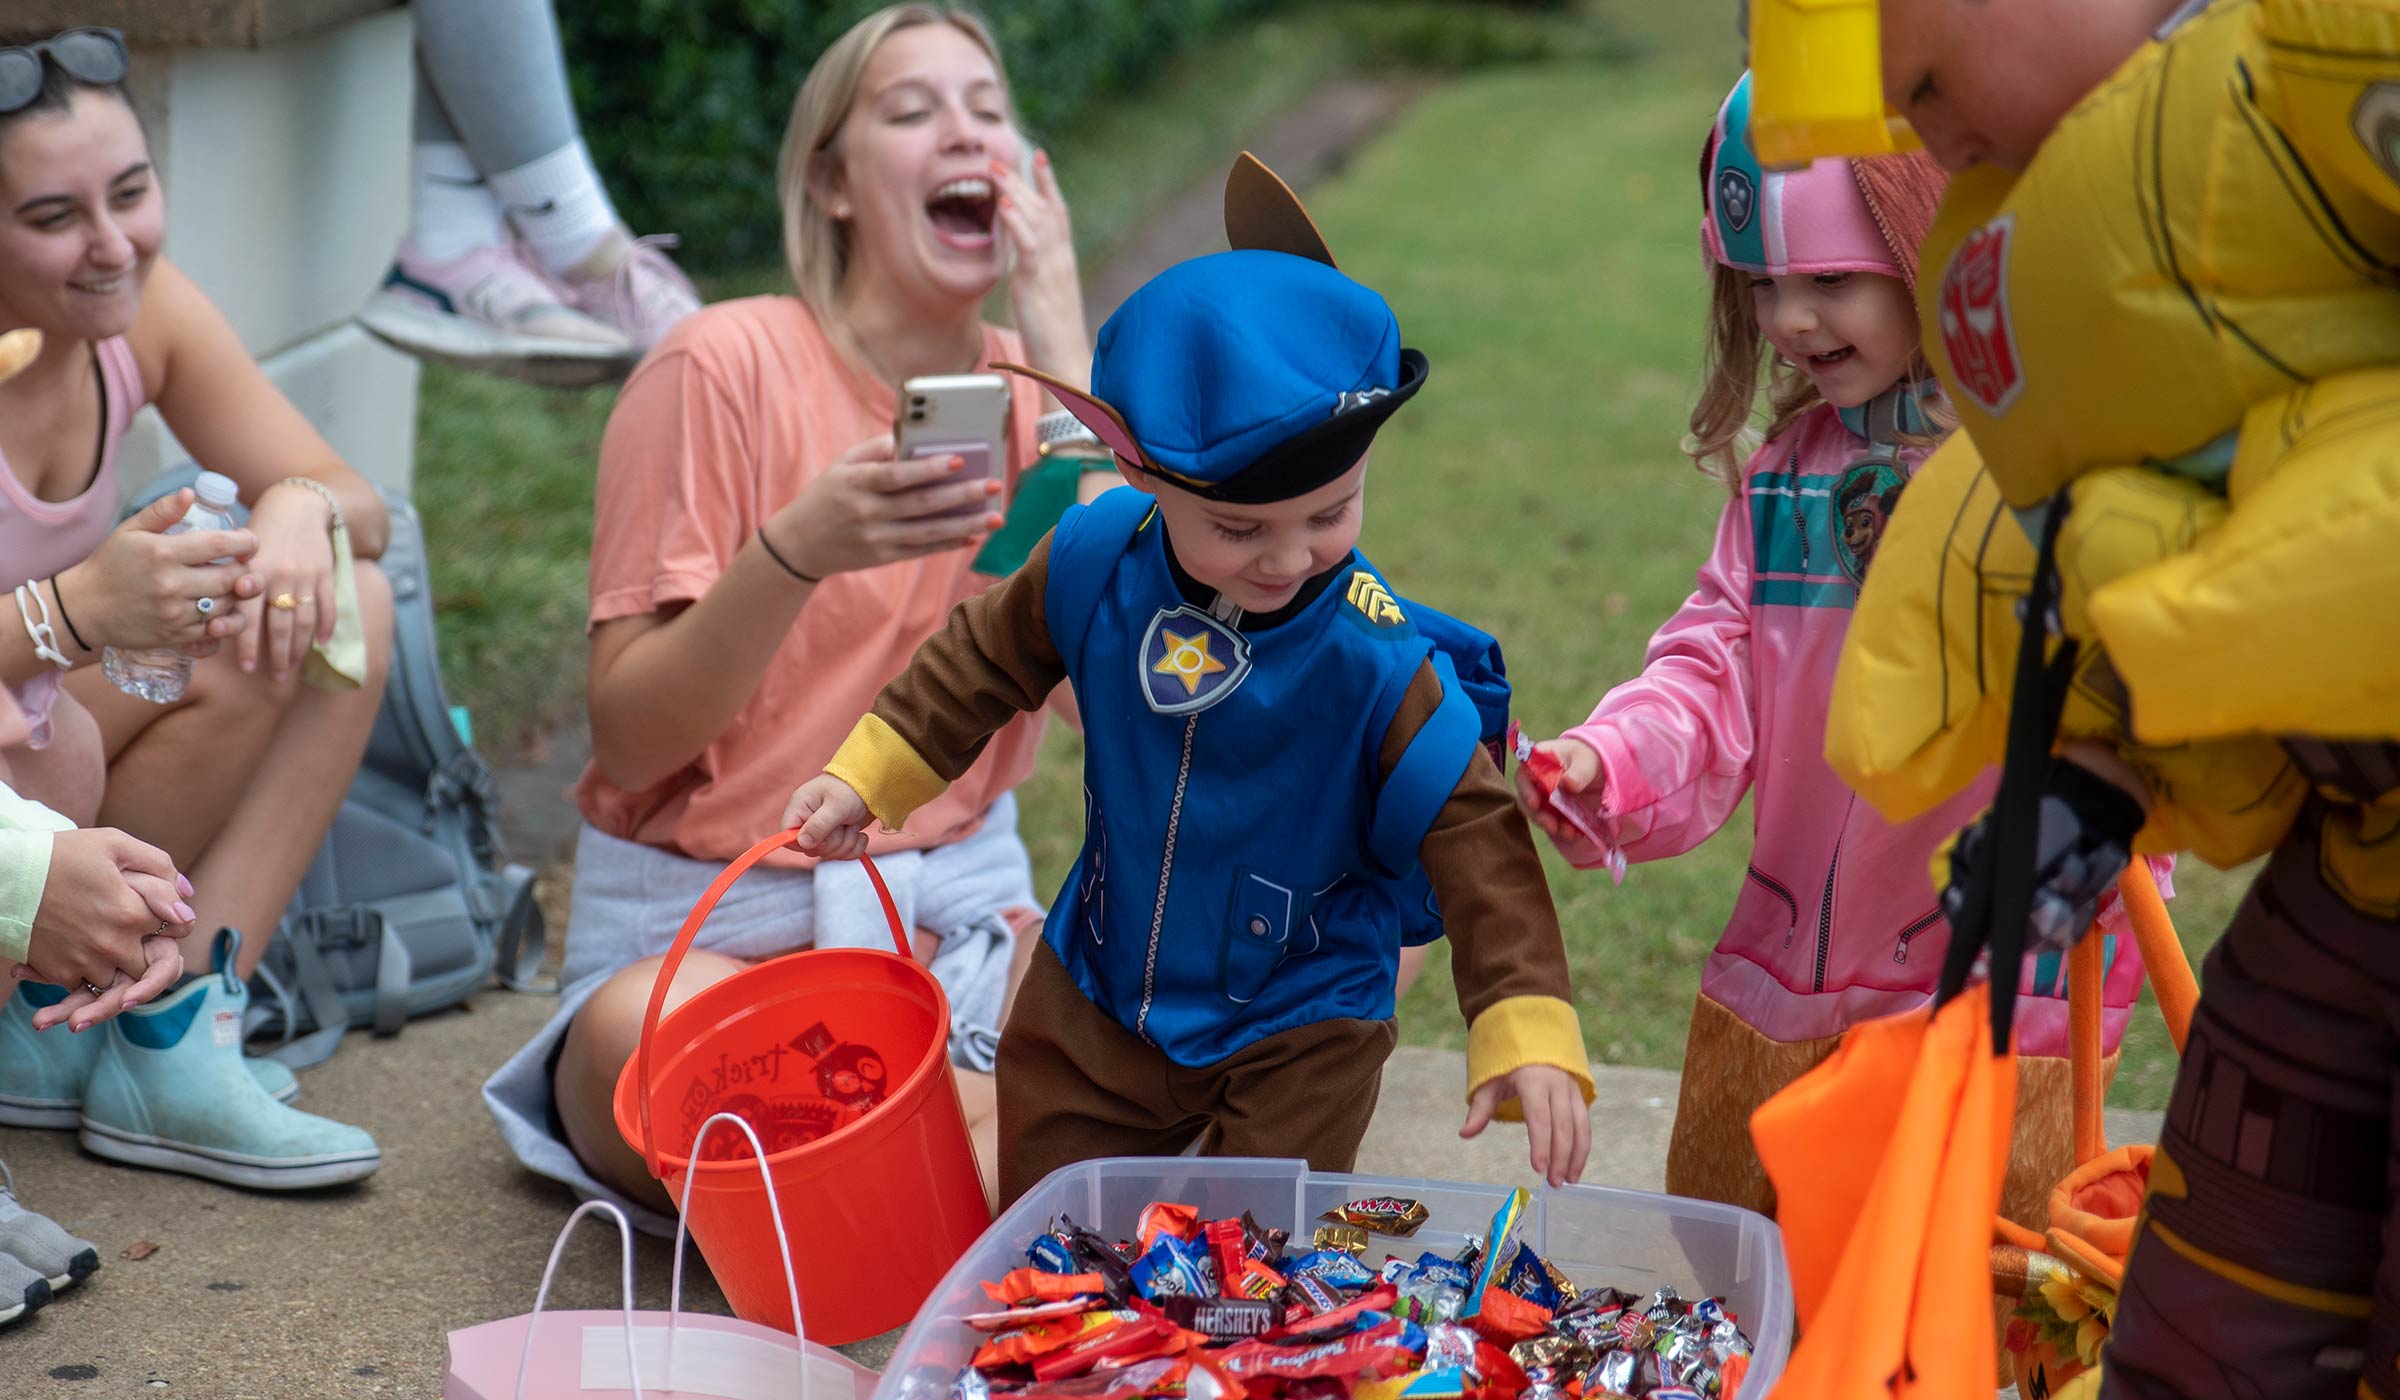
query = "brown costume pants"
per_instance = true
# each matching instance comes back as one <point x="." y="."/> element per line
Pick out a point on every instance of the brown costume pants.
<point x="2268" y="1259"/>
<point x="1076" y="1085"/>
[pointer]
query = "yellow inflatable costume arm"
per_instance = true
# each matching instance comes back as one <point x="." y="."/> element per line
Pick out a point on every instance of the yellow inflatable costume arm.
<point x="2284" y="619"/>
<point x="1920" y="700"/>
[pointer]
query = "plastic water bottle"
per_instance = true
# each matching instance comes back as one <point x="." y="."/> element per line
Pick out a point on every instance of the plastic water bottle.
<point x="159" y="674"/>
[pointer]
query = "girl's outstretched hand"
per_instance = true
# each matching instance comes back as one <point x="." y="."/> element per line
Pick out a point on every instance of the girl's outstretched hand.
<point x="1578" y="770"/>
<point x="1558" y="1124"/>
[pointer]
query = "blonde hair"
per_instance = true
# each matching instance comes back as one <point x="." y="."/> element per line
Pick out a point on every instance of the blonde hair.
<point x="1724" y="432"/>
<point x="816" y="247"/>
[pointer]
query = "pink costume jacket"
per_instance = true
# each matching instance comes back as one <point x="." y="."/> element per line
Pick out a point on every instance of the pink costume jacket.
<point x="1837" y="921"/>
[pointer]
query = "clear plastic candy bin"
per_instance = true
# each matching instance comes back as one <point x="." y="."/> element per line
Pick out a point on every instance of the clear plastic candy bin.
<point x="1634" y="1240"/>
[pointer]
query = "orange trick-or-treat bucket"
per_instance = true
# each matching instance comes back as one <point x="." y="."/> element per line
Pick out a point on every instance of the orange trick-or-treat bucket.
<point x="838" y="1058"/>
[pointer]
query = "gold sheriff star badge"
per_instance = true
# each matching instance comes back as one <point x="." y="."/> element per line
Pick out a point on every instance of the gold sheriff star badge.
<point x="1188" y="660"/>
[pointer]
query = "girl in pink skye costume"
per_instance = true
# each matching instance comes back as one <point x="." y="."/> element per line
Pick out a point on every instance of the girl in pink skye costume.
<point x="1837" y="922"/>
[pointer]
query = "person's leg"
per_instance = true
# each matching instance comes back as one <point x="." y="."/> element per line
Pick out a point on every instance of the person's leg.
<point x="1306" y="1092"/>
<point x="240" y="782"/>
<point x="2261" y="1266"/>
<point x="502" y="80"/>
<point x="601" y="1039"/>
<point x="1074" y="1085"/>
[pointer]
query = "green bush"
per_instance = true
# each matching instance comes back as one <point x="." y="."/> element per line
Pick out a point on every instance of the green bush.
<point x="684" y="101"/>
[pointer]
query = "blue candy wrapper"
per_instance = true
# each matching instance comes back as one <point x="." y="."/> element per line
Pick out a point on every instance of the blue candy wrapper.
<point x="1173" y="1269"/>
<point x="1050" y="1254"/>
<point x="1495" y="1245"/>
<point x="1333" y="1266"/>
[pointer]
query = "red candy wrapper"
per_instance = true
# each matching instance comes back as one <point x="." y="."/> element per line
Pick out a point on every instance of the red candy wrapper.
<point x="1138" y="1338"/>
<point x="1545" y="769"/>
<point x="1167" y="1218"/>
<point x="1370" y="1355"/>
<point x="1041" y="1338"/>
<point x="1377" y="1299"/>
<point x="1024" y="1286"/>
<point x="1226" y="1246"/>
<point x="1165" y="1375"/>
<point x="1256" y="1280"/>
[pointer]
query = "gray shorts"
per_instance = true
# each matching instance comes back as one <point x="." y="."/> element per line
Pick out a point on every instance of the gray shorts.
<point x="629" y="900"/>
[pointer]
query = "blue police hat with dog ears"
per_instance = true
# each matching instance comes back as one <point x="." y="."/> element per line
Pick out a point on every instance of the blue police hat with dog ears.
<point x="1253" y="375"/>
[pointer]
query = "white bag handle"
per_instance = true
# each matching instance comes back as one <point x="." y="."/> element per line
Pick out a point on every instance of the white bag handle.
<point x="542" y="1295"/>
<point x="683" y="1208"/>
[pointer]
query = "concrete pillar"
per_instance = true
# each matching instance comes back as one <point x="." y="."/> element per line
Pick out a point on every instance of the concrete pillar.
<point x="280" y="129"/>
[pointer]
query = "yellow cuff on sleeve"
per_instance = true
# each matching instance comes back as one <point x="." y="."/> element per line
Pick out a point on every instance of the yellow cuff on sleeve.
<point x="1517" y="1031"/>
<point x="885" y="769"/>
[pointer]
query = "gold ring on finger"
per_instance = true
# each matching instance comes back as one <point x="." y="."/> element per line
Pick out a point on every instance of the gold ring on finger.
<point x="283" y="602"/>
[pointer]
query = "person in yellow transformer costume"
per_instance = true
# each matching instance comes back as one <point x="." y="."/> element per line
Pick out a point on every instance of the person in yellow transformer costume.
<point x="2167" y="309"/>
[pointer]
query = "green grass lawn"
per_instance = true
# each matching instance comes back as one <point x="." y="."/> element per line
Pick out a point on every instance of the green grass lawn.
<point x="1535" y="228"/>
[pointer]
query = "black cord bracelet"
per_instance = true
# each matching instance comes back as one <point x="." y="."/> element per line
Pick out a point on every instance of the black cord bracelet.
<point x="63" y="617"/>
<point x="762" y="544"/>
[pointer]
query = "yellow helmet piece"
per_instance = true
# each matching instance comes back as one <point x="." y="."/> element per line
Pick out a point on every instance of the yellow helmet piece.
<point x="1817" y="83"/>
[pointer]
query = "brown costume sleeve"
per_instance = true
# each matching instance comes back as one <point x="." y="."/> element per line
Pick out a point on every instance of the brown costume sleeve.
<point x="1506" y="956"/>
<point x="990" y="662"/>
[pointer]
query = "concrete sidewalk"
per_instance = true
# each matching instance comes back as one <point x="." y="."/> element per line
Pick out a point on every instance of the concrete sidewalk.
<point x="351" y="1292"/>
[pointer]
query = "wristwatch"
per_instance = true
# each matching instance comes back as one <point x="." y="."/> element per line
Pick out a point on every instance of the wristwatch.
<point x="1062" y="434"/>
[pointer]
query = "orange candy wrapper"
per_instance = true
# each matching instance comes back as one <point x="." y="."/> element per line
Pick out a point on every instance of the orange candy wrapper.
<point x="1507" y="1319"/>
<point x="1024" y="1286"/>
<point x="1041" y="1338"/>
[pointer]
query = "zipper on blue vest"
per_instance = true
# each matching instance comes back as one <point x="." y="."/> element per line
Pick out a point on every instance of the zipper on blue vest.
<point x="1166" y="873"/>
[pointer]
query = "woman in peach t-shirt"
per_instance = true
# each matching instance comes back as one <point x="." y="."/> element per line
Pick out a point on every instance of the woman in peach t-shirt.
<point x="763" y="564"/>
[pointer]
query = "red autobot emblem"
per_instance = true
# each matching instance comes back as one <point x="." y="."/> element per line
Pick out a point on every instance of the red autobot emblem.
<point x="1975" y="330"/>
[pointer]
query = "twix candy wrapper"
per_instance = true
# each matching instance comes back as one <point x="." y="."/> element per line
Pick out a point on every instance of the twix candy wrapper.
<point x="1397" y="1216"/>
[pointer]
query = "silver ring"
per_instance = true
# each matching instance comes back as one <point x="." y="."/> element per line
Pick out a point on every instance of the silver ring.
<point x="205" y="605"/>
<point x="95" y="991"/>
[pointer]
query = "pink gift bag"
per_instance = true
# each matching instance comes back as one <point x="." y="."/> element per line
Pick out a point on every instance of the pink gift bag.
<point x="628" y="1355"/>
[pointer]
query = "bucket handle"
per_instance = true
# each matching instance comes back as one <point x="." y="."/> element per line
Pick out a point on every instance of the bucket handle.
<point x="683" y="942"/>
<point x="783" y="1243"/>
<point x="2170" y="971"/>
<point x="541" y="1295"/>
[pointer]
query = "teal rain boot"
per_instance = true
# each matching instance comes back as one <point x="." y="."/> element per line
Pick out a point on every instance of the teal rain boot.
<point x="42" y="1072"/>
<point x="169" y="1089"/>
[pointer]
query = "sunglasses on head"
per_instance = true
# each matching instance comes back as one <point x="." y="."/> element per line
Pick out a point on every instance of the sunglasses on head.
<point x="89" y="55"/>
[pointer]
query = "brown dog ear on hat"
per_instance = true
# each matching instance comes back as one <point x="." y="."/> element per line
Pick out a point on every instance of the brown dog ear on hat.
<point x="1262" y="213"/>
<point x="18" y="349"/>
<point x="1095" y="414"/>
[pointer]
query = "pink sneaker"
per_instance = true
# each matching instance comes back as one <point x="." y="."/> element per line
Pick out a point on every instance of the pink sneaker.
<point x="491" y="310"/>
<point x="644" y="297"/>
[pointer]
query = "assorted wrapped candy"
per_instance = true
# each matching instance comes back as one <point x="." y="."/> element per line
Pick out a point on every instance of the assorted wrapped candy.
<point x="1197" y="1309"/>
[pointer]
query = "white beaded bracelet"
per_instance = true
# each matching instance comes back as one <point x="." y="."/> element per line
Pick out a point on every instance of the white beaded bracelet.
<point x="45" y="640"/>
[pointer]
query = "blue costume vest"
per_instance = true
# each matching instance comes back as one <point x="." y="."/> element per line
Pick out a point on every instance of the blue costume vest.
<point x="1243" y="871"/>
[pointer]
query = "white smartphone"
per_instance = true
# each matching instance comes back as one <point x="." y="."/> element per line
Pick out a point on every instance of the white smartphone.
<point x="957" y="415"/>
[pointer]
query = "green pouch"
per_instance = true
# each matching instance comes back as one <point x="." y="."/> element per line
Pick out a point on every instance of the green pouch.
<point x="1043" y="494"/>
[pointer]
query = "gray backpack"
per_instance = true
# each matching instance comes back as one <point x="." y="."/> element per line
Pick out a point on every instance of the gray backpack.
<point x="412" y="902"/>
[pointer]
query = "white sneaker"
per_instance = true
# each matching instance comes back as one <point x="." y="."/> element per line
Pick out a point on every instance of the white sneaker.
<point x="490" y="310"/>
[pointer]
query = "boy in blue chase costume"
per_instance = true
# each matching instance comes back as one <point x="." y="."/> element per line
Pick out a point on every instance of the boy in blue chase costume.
<point x="1279" y="760"/>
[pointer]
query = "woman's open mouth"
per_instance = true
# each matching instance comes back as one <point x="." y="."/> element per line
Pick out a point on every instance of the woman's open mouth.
<point x="962" y="212"/>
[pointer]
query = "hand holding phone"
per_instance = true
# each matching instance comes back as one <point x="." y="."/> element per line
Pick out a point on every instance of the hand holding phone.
<point x="957" y="415"/>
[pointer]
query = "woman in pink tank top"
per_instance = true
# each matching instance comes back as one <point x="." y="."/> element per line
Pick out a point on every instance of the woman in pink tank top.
<point x="240" y="779"/>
